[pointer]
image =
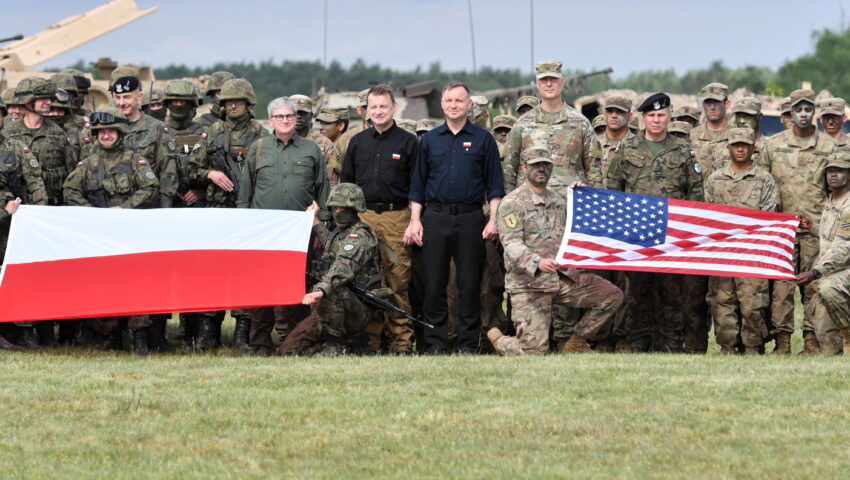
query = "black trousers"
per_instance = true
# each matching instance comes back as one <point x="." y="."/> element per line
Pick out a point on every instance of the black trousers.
<point x="447" y="235"/>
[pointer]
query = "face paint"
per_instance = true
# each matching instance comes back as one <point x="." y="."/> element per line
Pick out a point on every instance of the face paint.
<point x="616" y="119"/>
<point x="802" y="114"/>
<point x="836" y="177"/>
<point x="745" y="120"/>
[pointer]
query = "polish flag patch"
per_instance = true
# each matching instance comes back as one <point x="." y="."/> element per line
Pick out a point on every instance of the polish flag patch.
<point x="467" y="144"/>
<point x="143" y="162"/>
<point x="396" y="156"/>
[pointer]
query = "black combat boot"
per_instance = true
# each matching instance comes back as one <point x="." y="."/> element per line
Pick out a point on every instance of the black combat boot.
<point x="112" y="341"/>
<point x="7" y="345"/>
<point x="29" y="339"/>
<point x="240" y="335"/>
<point x="206" y="334"/>
<point x="140" y="341"/>
<point x="47" y="333"/>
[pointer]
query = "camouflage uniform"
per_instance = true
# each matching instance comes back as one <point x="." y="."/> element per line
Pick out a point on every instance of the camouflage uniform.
<point x="48" y="143"/>
<point x="687" y="114"/>
<point x="705" y="141"/>
<point x="339" y="319"/>
<point x="114" y="177"/>
<point x="20" y="177"/>
<point x="832" y="303"/>
<point x="329" y="151"/>
<point x="608" y="146"/>
<point x="739" y="306"/>
<point x="672" y="172"/>
<point x="344" y="139"/>
<point x="797" y="165"/>
<point x="681" y="128"/>
<point x="530" y="227"/>
<point x="211" y="88"/>
<point x="835" y="106"/>
<point x="186" y="133"/>
<point x="526" y="101"/>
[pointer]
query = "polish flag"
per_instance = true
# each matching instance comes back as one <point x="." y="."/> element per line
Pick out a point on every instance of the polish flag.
<point x="78" y="262"/>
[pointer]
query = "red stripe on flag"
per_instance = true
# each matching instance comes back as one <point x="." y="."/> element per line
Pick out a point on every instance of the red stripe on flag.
<point x="737" y="211"/>
<point x="155" y="282"/>
<point x="686" y="271"/>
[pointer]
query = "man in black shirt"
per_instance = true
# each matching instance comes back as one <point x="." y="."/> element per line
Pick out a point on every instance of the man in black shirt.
<point x="380" y="160"/>
<point x="458" y="167"/>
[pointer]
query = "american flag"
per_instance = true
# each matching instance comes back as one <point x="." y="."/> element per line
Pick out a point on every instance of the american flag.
<point x="611" y="230"/>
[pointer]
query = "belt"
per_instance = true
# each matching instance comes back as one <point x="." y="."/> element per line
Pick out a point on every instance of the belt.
<point x="385" y="207"/>
<point x="454" y="208"/>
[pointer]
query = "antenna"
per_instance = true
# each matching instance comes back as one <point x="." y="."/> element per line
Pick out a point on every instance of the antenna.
<point x="531" y="17"/>
<point x="472" y="38"/>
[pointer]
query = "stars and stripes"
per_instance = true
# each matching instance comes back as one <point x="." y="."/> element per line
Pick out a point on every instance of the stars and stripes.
<point x="621" y="231"/>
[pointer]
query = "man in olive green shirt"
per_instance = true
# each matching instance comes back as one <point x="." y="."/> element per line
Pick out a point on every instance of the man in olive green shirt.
<point x="282" y="172"/>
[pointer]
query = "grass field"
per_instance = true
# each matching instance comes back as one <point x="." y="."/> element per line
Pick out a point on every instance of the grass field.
<point x="92" y="415"/>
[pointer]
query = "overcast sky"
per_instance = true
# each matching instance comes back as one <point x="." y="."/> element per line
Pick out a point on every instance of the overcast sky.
<point x="625" y="35"/>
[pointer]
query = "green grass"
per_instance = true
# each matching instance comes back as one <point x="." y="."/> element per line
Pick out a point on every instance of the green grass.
<point x="72" y="415"/>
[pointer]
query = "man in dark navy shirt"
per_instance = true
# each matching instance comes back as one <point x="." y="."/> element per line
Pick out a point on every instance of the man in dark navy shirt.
<point x="457" y="170"/>
<point x="380" y="160"/>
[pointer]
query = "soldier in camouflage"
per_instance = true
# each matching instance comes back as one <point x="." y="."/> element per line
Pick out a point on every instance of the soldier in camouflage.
<point x="303" y="126"/>
<point x="480" y="112"/>
<point x="62" y="113"/>
<point x="181" y="99"/>
<point x="78" y="100"/>
<point x="113" y="175"/>
<point x="153" y="104"/>
<point x="407" y="125"/>
<point x="217" y="162"/>
<point x="616" y="115"/>
<point x="797" y="158"/>
<point x="739" y="306"/>
<point x="785" y="113"/>
<point x="687" y="114"/>
<point x="598" y="125"/>
<point x="711" y="135"/>
<point x="20" y="182"/>
<point x="338" y="318"/>
<point x="426" y="125"/>
<point x="831" y="272"/>
<point x="344" y="139"/>
<point x="526" y="103"/>
<point x="531" y="223"/>
<point x="832" y="118"/>
<point x="212" y="88"/>
<point x="72" y="120"/>
<point x="14" y="110"/>
<point x="680" y="130"/>
<point x="502" y="126"/>
<point x="655" y="163"/>
<point x="332" y="122"/>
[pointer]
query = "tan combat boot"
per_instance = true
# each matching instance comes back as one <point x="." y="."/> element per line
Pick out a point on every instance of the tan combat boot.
<point x="576" y="345"/>
<point x="845" y="335"/>
<point x="752" y="351"/>
<point x="494" y="334"/>
<point x="783" y="344"/>
<point x="727" y="350"/>
<point x="810" y="343"/>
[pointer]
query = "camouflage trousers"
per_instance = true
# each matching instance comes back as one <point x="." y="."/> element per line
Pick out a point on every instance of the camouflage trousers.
<point x="831" y="311"/>
<point x="739" y="309"/>
<point x="340" y="318"/>
<point x="532" y="313"/>
<point x="655" y="301"/>
<point x="782" y="298"/>
<point x="389" y="227"/>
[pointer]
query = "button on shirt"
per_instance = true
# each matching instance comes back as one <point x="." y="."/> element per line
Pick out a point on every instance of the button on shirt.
<point x="381" y="164"/>
<point x="457" y="169"/>
<point x="285" y="176"/>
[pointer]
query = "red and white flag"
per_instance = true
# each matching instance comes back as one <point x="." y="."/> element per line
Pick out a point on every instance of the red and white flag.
<point x="611" y="230"/>
<point x="77" y="262"/>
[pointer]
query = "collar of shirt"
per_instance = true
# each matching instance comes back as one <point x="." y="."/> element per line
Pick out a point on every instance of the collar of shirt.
<point x="540" y="199"/>
<point x="377" y="134"/>
<point x="295" y="141"/>
<point x="739" y="174"/>
<point x="445" y="128"/>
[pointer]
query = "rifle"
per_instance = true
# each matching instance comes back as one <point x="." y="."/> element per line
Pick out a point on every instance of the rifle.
<point x="366" y="296"/>
<point x="15" y="185"/>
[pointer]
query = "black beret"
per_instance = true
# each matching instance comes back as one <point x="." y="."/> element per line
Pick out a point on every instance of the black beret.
<point x="656" y="101"/>
<point x="83" y="83"/>
<point x="126" y="84"/>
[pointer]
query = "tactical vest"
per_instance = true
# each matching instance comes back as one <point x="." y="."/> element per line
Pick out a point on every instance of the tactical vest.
<point x="234" y="146"/>
<point x="119" y="183"/>
<point x="48" y="146"/>
<point x="185" y="140"/>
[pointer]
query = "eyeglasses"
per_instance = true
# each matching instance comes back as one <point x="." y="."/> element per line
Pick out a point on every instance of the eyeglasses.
<point x="104" y="118"/>
<point x="284" y="118"/>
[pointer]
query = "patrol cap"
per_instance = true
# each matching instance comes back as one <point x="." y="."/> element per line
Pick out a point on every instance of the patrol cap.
<point x="832" y="106"/>
<point x="679" y="127"/>
<point x="527" y="100"/>
<point x="686" y="111"/>
<point x="802" y="95"/>
<point x="656" y="101"/>
<point x="504" y="121"/>
<point x="741" y="135"/>
<point x="536" y="154"/>
<point x="303" y="103"/>
<point x="361" y="97"/>
<point x="748" y="105"/>
<point x="426" y="125"/>
<point x="714" y="91"/>
<point x="549" y="68"/>
<point x="620" y="102"/>
<point x="785" y="105"/>
<point x="479" y="105"/>
<point x="407" y="125"/>
<point x="634" y="123"/>
<point x="840" y="159"/>
<point x="332" y="114"/>
<point x="598" y="121"/>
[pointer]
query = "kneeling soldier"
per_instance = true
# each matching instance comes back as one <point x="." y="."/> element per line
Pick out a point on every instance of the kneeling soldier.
<point x="531" y="225"/>
<point x="338" y="319"/>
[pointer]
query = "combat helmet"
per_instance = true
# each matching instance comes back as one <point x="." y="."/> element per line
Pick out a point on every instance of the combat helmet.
<point x="216" y="80"/>
<point x="237" y="89"/>
<point x="109" y="117"/>
<point x="154" y="95"/>
<point x="65" y="82"/>
<point x="32" y="88"/>
<point x="182" y="90"/>
<point x="3" y="110"/>
<point x="347" y="195"/>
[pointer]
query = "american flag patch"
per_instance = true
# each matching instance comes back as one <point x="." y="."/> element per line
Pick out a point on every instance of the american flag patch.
<point x="396" y="156"/>
<point x="467" y="144"/>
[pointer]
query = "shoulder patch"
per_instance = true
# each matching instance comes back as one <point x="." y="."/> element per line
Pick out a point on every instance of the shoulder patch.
<point x="150" y="175"/>
<point x="172" y="145"/>
<point x="348" y="247"/>
<point x="26" y="149"/>
<point x="697" y="168"/>
<point x="33" y="162"/>
<point x="693" y="153"/>
<point x="196" y="147"/>
<point x="143" y="162"/>
<point x="204" y="135"/>
<point x="166" y="130"/>
<point x="87" y="125"/>
<point x="510" y="221"/>
<point x="79" y="163"/>
<point x="353" y="235"/>
<point x="87" y="140"/>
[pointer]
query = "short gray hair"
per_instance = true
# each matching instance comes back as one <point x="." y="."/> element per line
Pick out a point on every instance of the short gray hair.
<point x="281" y="102"/>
